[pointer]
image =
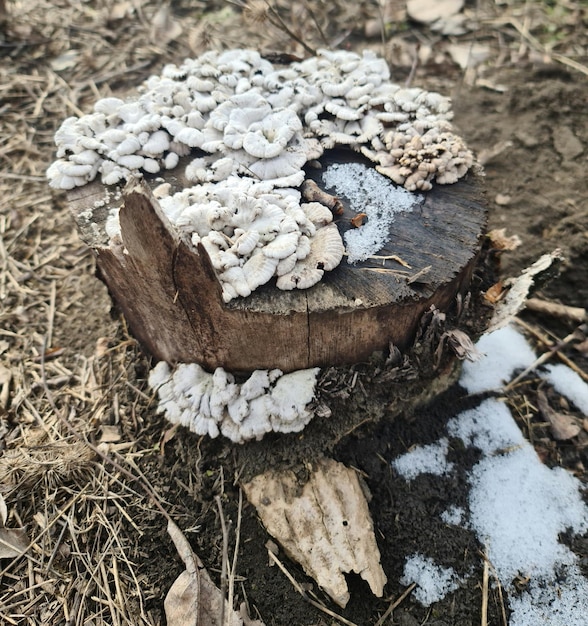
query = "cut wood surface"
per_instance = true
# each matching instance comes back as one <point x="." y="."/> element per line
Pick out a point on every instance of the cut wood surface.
<point x="171" y="297"/>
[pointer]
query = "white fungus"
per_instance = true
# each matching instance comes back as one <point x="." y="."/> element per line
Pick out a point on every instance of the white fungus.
<point x="238" y="115"/>
<point x="213" y="404"/>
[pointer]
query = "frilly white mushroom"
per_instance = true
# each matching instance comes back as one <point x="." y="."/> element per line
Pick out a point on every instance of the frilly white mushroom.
<point x="251" y="128"/>
<point x="253" y="233"/>
<point x="265" y="120"/>
<point x="210" y="404"/>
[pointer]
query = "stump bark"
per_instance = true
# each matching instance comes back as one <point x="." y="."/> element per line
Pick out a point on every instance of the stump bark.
<point x="171" y="297"/>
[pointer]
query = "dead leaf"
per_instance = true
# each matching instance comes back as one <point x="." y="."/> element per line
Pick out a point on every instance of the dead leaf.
<point x="562" y="426"/>
<point x="461" y="344"/>
<point x="13" y="542"/>
<point x="494" y="293"/>
<point x="500" y="241"/>
<point x="193" y="599"/>
<point x="358" y="220"/>
<point x="110" y="433"/>
<point x="3" y="511"/>
<point x="429" y="11"/>
<point x="164" y="27"/>
<point x="5" y="378"/>
<point x="468" y="55"/>
<point x="324" y="525"/>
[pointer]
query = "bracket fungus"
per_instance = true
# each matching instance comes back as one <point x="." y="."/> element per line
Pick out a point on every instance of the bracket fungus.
<point x="244" y="131"/>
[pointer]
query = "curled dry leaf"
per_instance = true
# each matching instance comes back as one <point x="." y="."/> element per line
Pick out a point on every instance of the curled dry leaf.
<point x="13" y="541"/>
<point x="325" y="525"/>
<point x="500" y="241"/>
<point x="562" y="426"/>
<point x="193" y="599"/>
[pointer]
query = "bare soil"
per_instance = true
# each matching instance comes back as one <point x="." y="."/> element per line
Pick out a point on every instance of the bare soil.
<point x="99" y="550"/>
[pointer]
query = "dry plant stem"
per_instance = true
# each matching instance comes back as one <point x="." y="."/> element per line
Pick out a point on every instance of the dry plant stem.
<point x="395" y="603"/>
<point x="233" y="570"/>
<point x="542" y="359"/>
<point x="64" y="421"/>
<point x="225" y="558"/>
<point x="547" y="342"/>
<point x="276" y="20"/>
<point x="485" y="576"/>
<point x="300" y="590"/>
<point x="573" y="313"/>
<point x="560" y="58"/>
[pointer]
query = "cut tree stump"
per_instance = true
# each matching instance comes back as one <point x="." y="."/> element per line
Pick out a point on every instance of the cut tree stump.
<point x="169" y="293"/>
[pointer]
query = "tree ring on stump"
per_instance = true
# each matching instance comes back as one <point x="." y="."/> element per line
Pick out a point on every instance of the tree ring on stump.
<point x="171" y="297"/>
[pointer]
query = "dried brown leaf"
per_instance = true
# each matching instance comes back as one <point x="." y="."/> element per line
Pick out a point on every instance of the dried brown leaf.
<point x="562" y="426"/>
<point x="325" y="525"/>
<point x="13" y="542"/>
<point x="193" y="599"/>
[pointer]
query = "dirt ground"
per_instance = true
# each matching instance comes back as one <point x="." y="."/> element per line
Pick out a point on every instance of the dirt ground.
<point x="98" y="551"/>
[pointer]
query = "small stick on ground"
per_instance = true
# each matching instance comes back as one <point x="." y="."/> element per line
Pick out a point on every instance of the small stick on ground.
<point x="225" y="558"/>
<point x="542" y="359"/>
<point x="485" y="576"/>
<point x="395" y="603"/>
<point x="556" y="309"/>
<point x="544" y="339"/>
<point x="300" y="590"/>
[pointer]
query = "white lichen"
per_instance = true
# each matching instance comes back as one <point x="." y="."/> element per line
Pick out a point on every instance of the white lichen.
<point x="213" y="404"/>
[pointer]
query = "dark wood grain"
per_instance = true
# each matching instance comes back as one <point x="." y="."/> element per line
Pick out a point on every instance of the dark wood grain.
<point x="171" y="297"/>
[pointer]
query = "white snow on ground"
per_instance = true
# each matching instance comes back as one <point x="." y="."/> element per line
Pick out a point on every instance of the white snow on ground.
<point x="453" y="515"/>
<point x="569" y="384"/>
<point x="518" y="507"/>
<point x="431" y="459"/>
<point x="433" y="582"/>
<point x="504" y="351"/>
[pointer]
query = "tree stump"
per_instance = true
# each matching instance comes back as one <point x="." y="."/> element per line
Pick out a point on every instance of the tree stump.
<point x="169" y="293"/>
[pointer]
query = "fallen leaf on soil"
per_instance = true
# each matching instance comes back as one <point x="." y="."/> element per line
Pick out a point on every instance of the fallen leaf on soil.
<point x="5" y="378"/>
<point x="324" y="525"/>
<point x="468" y="55"/>
<point x="164" y="28"/>
<point x="499" y="240"/>
<point x="3" y="511"/>
<point x="13" y="542"/>
<point x="562" y="426"/>
<point x="428" y="11"/>
<point x="193" y="599"/>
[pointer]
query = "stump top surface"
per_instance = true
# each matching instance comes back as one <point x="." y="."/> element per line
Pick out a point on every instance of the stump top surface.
<point x="436" y="240"/>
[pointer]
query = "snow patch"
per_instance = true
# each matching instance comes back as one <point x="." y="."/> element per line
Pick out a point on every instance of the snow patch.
<point x="371" y="193"/>
<point x="505" y="351"/>
<point x="433" y="582"/>
<point x="429" y="459"/>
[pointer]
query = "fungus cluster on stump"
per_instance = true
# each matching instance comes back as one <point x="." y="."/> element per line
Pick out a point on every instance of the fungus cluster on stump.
<point x="258" y="223"/>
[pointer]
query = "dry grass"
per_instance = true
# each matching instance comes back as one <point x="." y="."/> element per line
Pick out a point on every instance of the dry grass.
<point x="62" y="358"/>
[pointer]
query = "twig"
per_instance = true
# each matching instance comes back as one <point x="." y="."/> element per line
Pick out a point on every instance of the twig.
<point x="233" y="569"/>
<point x="574" y="313"/>
<point x="303" y="593"/>
<point x="555" y="349"/>
<point x="225" y="558"/>
<point x="547" y="342"/>
<point x="276" y="20"/>
<point x="484" y="617"/>
<point x="395" y="604"/>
